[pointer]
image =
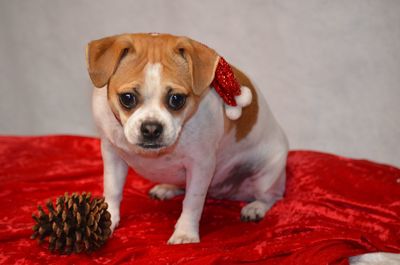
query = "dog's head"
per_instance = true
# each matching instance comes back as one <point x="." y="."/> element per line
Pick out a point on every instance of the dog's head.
<point x="154" y="81"/>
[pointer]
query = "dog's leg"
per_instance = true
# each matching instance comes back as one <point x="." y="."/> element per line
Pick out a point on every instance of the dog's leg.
<point x="269" y="187"/>
<point x="165" y="191"/>
<point x="198" y="179"/>
<point x="115" y="171"/>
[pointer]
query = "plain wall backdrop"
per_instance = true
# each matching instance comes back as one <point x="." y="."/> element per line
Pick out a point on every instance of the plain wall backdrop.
<point x="330" y="70"/>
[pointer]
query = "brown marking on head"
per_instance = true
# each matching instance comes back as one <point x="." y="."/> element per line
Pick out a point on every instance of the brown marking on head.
<point x="119" y="61"/>
<point x="104" y="55"/>
<point x="249" y="116"/>
<point x="151" y="68"/>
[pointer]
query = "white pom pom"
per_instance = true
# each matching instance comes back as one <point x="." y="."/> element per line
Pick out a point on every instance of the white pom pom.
<point x="233" y="113"/>
<point x="244" y="99"/>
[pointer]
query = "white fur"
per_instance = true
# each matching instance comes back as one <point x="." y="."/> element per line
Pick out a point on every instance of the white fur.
<point x="255" y="210"/>
<point x="165" y="191"/>
<point x="203" y="157"/>
<point x="115" y="170"/>
<point x="376" y="258"/>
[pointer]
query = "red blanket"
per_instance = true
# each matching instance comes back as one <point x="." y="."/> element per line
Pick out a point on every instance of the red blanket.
<point x="334" y="208"/>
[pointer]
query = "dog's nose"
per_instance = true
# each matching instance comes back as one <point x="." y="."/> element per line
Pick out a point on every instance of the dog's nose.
<point x="151" y="130"/>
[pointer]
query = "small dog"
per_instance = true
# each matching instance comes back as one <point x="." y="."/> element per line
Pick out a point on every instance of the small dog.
<point x="157" y="112"/>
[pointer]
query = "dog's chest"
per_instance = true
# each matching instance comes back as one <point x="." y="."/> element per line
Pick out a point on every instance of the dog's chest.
<point x="164" y="169"/>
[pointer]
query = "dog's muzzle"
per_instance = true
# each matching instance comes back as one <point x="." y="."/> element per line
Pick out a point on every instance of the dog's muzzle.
<point x="151" y="133"/>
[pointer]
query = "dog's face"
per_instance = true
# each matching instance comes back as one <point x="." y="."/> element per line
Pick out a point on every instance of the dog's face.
<point x="155" y="84"/>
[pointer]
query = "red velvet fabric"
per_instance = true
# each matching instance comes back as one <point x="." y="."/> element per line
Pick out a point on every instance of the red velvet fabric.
<point x="334" y="208"/>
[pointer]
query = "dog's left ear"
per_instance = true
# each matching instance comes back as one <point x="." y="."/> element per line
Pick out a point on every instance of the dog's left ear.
<point x="202" y="62"/>
<point x="104" y="55"/>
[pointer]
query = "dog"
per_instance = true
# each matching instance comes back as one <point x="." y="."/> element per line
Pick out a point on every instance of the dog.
<point x="157" y="112"/>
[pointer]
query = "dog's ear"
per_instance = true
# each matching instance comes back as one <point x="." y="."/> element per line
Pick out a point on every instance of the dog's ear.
<point x="104" y="55"/>
<point x="202" y="62"/>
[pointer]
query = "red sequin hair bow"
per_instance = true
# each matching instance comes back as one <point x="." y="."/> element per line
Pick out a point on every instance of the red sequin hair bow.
<point x="225" y="83"/>
<point x="229" y="89"/>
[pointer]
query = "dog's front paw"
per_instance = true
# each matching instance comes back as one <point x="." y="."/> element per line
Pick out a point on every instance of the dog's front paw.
<point x="114" y="217"/>
<point x="114" y="224"/>
<point x="181" y="237"/>
<point x="254" y="211"/>
<point x="165" y="191"/>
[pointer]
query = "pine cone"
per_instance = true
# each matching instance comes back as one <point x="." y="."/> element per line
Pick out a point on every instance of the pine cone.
<point x="76" y="223"/>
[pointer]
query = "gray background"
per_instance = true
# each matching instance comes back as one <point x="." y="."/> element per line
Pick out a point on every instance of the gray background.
<point x="329" y="69"/>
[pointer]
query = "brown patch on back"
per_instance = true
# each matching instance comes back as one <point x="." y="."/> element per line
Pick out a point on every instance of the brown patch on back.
<point x="249" y="114"/>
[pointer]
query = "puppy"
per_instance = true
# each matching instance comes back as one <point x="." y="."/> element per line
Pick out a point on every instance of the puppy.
<point x="158" y="113"/>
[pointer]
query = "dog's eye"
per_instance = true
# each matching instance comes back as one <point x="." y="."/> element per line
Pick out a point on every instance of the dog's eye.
<point x="127" y="100"/>
<point x="176" y="101"/>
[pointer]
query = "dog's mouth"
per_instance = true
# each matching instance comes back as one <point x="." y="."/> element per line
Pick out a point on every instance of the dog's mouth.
<point x="151" y="149"/>
<point x="151" y="146"/>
